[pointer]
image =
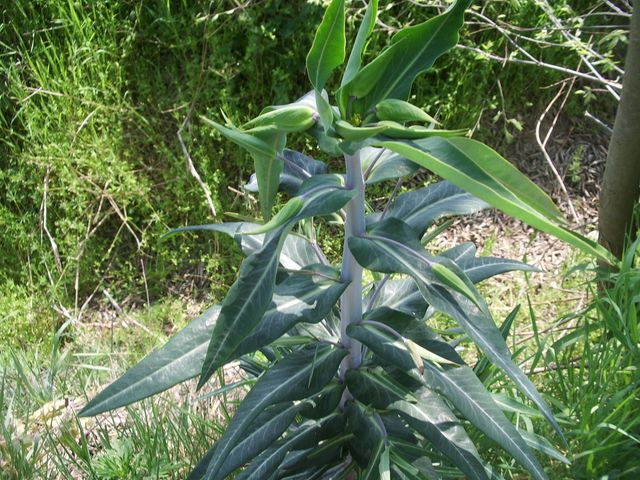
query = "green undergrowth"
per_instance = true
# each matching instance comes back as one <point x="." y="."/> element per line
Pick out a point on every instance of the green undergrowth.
<point x="41" y="391"/>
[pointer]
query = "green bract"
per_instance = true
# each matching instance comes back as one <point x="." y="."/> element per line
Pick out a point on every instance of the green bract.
<point x="357" y="384"/>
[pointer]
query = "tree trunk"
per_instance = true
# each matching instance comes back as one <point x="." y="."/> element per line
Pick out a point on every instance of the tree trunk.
<point x="621" y="182"/>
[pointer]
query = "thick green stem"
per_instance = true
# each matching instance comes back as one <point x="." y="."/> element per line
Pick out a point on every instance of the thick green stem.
<point x="351" y="300"/>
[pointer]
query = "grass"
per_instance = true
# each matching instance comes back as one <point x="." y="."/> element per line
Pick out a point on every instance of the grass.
<point x="40" y="393"/>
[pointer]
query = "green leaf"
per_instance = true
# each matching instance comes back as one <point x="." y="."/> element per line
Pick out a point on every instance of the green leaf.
<point x="325" y="111"/>
<point x="355" y="57"/>
<point x="289" y="210"/>
<point x="349" y="132"/>
<point x="390" y="248"/>
<point x="387" y="347"/>
<point x="255" y="146"/>
<point x="454" y="282"/>
<point x="245" y="304"/>
<point x="461" y="252"/>
<point x="297" y="168"/>
<point x="420" y="208"/>
<point x="381" y="164"/>
<point x="451" y="158"/>
<point x="383" y="465"/>
<point x="414" y="132"/>
<point x="413" y="51"/>
<point x="372" y="472"/>
<point x="270" y="427"/>
<point x="400" y="111"/>
<point x="268" y="461"/>
<point x="420" y="469"/>
<point x="297" y="251"/>
<point x="297" y="376"/>
<point x="263" y="143"/>
<point x="291" y="118"/>
<point x="324" y="403"/>
<point x="366" y="430"/>
<point x="179" y="360"/>
<point x="543" y="445"/>
<point x="431" y="417"/>
<point x="300" y="298"/>
<point x="416" y="330"/>
<point x="328" y="49"/>
<point x="400" y="294"/>
<point x="374" y="388"/>
<point x="468" y="395"/>
<point x="269" y="167"/>
<point x="480" y="268"/>
<point x="250" y="295"/>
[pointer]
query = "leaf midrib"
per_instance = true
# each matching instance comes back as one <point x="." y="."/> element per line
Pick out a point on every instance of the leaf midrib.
<point x="238" y="316"/>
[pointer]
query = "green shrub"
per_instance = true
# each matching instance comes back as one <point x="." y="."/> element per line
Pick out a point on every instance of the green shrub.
<point x="25" y="318"/>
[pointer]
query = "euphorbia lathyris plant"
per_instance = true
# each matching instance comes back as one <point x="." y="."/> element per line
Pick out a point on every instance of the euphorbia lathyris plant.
<point x="358" y="384"/>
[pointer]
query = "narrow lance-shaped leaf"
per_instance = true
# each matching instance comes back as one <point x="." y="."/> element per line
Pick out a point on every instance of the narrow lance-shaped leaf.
<point x="431" y="417"/>
<point x="300" y="375"/>
<point x="380" y="164"/>
<point x="414" y="132"/>
<point x="372" y="472"/>
<point x="385" y="250"/>
<point x="297" y="251"/>
<point x="374" y="388"/>
<point x="415" y="334"/>
<point x="366" y="430"/>
<point x="328" y="49"/>
<point x="273" y="425"/>
<point x="255" y="146"/>
<point x="400" y="111"/>
<point x="302" y="297"/>
<point x="383" y="465"/>
<point x="413" y="51"/>
<point x="355" y="57"/>
<point x="290" y="118"/>
<point x="245" y="304"/>
<point x="480" y="268"/>
<point x="269" y="167"/>
<point x="267" y="464"/>
<point x="453" y="159"/>
<point x="290" y="209"/>
<point x="420" y="208"/>
<point x="469" y="396"/>
<point x="263" y="143"/>
<point x="265" y="430"/>
<point x="178" y="360"/>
